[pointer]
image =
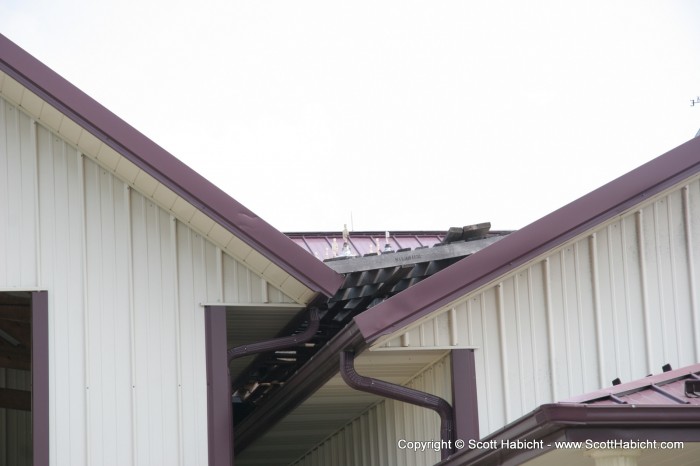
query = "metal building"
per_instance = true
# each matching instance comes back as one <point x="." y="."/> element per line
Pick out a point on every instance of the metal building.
<point x="128" y="283"/>
<point x="602" y="291"/>
<point x="110" y="252"/>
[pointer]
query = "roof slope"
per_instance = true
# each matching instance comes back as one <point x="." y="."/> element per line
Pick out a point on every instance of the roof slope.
<point x="663" y="407"/>
<point x="680" y="386"/>
<point x="165" y="168"/>
<point x="523" y="245"/>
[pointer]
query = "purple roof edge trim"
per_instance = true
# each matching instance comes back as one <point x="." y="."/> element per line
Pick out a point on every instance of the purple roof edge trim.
<point x="519" y="247"/>
<point x="642" y="383"/>
<point x="167" y="169"/>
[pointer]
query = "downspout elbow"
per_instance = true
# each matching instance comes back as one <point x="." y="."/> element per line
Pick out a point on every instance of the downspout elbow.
<point x="401" y="393"/>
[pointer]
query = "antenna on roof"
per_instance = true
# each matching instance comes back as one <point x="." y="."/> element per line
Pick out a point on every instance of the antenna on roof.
<point x="694" y="101"/>
<point x="347" y="252"/>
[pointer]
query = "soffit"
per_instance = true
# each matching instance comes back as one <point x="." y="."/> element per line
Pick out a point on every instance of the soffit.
<point x="332" y="406"/>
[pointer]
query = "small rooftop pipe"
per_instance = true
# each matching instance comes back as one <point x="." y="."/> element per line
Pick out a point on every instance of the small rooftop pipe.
<point x="397" y="392"/>
<point x="278" y="343"/>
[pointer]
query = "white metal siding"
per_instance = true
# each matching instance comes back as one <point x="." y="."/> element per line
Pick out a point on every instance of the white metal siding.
<point x="125" y="282"/>
<point x="371" y="439"/>
<point x="619" y="301"/>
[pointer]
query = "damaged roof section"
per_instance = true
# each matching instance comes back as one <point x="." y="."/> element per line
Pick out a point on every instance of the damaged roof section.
<point x="368" y="280"/>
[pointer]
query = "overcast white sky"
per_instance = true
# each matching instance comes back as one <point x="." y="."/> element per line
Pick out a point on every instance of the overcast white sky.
<point x="403" y="114"/>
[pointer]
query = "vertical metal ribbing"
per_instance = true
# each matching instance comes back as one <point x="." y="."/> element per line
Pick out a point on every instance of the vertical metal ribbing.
<point x="518" y="335"/>
<point x="454" y="335"/>
<point x="178" y="336"/>
<point x="645" y="294"/>
<point x="691" y="270"/>
<point x="436" y="333"/>
<point x="37" y="218"/>
<point x="659" y="284"/>
<point x="674" y="282"/>
<point x="565" y="316"/>
<point x="503" y="347"/>
<point x="533" y="337"/>
<point x="613" y="293"/>
<point x="550" y="329"/>
<point x="595" y="282"/>
<point x="486" y="355"/>
<point x="86" y="313"/>
<point x="132" y="323"/>
<point x="220" y="275"/>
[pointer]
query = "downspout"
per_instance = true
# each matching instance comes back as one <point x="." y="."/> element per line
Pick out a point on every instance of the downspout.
<point x="278" y="343"/>
<point x="405" y="394"/>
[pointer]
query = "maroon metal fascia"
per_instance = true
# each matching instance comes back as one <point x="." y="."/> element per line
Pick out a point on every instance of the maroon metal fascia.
<point x="40" y="377"/>
<point x="400" y="393"/>
<point x="167" y="169"/>
<point x="579" y="422"/>
<point x="465" y="405"/>
<point x="523" y="245"/>
<point x="278" y="343"/>
<point x="219" y="409"/>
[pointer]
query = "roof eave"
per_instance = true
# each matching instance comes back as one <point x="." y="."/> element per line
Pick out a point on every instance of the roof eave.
<point x="165" y="168"/>
<point x="557" y="420"/>
<point x="528" y="243"/>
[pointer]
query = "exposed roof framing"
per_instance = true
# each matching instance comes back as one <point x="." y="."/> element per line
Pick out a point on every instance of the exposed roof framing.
<point x="270" y="387"/>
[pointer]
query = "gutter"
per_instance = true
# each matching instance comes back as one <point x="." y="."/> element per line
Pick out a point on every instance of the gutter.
<point x="576" y="422"/>
<point x="400" y="393"/>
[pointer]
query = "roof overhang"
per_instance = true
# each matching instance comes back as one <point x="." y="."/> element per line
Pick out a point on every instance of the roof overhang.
<point x="524" y="245"/>
<point x="131" y="156"/>
<point x="559" y="422"/>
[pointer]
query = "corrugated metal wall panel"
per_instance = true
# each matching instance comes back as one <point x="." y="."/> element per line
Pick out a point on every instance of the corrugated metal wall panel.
<point x="125" y="282"/>
<point x="62" y="273"/>
<point x="155" y="346"/>
<point x="15" y="426"/>
<point x="17" y="198"/>
<point x="371" y="439"/>
<point x="108" y="343"/>
<point x="620" y="301"/>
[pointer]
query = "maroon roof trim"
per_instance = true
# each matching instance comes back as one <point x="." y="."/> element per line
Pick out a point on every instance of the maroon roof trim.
<point x="167" y="169"/>
<point x="577" y="422"/>
<point x="40" y="377"/>
<point x="523" y="245"/>
<point x="219" y="414"/>
<point x="627" y="392"/>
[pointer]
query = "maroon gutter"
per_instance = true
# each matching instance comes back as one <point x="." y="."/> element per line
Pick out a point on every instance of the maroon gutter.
<point x="523" y="245"/>
<point x="165" y="168"/>
<point x="578" y="422"/>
